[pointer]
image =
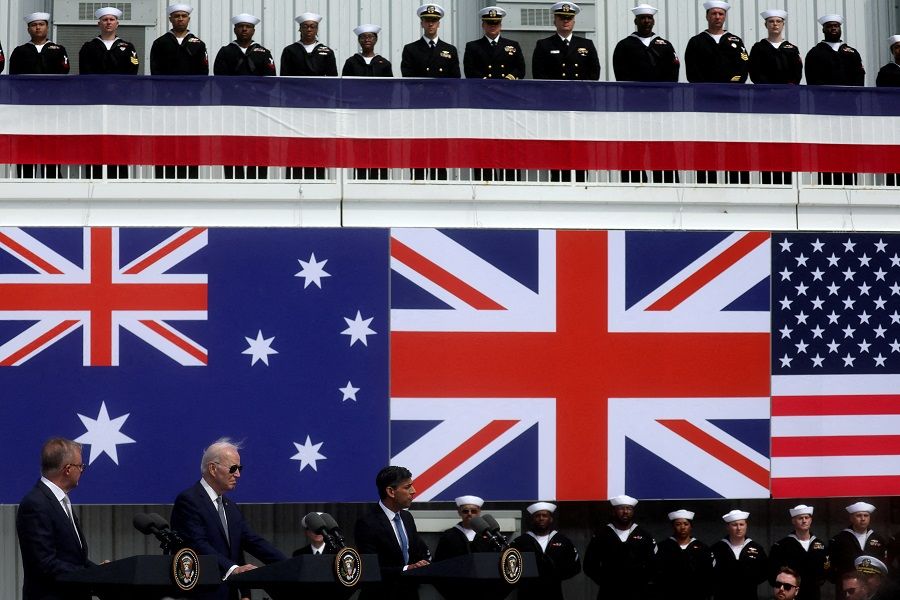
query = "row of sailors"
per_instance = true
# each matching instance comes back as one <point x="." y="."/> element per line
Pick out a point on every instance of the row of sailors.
<point x="714" y="55"/>
<point x="628" y="564"/>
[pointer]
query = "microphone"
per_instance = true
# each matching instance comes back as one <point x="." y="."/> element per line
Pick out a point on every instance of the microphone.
<point x="332" y="526"/>
<point x="483" y="529"/>
<point x="315" y="523"/>
<point x="495" y="528"/>
<point x="152" y="523"/>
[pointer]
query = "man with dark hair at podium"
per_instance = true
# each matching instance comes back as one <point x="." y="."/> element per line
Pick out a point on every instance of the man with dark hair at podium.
<point x="212" y="524"/>
<point x="389" y="531"/>
<point x="50" y="539"/>
<point x="556" y="555"/>
<point x="316" y="545"/>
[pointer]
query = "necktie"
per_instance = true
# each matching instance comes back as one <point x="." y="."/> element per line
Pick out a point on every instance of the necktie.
<point x="431" y="43"/>
<point x="404" y="543"/>
<point x="493" y="43"/>
<point x="221" y="504"/>
<point x="67" y="506"/>
<point x="566" y="42"/>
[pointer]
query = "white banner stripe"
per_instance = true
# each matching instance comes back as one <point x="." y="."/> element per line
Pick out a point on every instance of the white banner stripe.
<point x="836" y="466"/>
<point x="51" y="120"/>
<point x="842" y="425"/>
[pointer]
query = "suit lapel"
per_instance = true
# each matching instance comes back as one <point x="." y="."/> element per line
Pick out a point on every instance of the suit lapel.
<point x="62" y="518"/>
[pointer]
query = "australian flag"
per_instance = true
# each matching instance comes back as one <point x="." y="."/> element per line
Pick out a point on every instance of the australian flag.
<point x="146" y="345"/>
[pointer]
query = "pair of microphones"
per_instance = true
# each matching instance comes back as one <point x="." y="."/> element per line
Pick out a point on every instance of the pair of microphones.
<point x="325" y="525"/>
<point x="487" y="527"/>
<point x="152" y="523"/>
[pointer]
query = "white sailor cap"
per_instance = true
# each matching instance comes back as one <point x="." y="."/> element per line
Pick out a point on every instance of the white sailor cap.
<point x="245" y="18"/>
<point x="716" y="4"/>
<point x="539" y="506"/>
<point x="773" y="12"/>
<point x="492" y="14"/>
<point x="894" y="39"/>
<point x="735" y="515"/>
<point x="308" y="16"/>
<point x="869" y="565"/>
<point x="860" y="507"/>
<point x="566" y="9"/>
<point x="37" y="16"/>
<point x="681" y="514"/>
<point x="179" y="8"/>
<point x="107" y="10"/>
<point x="369" y="28"/>
<point x="430" y="11"/>
<point x="801" y="509"/>
<point x="303" y="520"/>
<point x="644" y="9"/>
<point x="463" y="500"/>
<point x="623" y="500"/>
<point x="831" y="19"/>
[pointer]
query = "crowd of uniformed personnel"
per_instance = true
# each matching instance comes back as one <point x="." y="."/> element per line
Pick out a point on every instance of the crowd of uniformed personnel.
<point x="713" y="55"/>
<point x="628" y="564"/>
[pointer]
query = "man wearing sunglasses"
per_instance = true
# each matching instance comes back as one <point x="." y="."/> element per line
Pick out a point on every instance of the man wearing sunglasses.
<point x="786" y="585"/>
<point x="214" y="525"/>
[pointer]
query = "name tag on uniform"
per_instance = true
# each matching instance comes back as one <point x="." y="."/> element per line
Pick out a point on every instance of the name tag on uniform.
<point x="554" y="52"/>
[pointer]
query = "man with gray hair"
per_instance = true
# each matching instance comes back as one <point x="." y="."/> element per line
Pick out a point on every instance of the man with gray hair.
<point x="50" y="538"/>
<point x="214" y="525"/>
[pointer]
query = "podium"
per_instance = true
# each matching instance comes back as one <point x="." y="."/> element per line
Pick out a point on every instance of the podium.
<point x="472" y="576"/>
<point x="146" y="577"/>
<point x="307" y="576"/>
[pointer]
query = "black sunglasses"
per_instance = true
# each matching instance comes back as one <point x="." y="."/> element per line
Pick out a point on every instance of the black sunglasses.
<point x="233" y="468"/>
<point x="783" y="585"/>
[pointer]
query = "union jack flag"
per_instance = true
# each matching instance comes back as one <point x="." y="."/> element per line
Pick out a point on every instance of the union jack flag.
<point x="99" y="295"/>
<point x="512" y="353"/>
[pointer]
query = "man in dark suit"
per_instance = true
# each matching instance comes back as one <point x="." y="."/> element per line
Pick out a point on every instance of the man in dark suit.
<point x="316" y="545"/>
<point x="564" y="55"/>
<point x="213" y="524"/>
<point x="389" y="531"/>
<point x="50" y="538"/>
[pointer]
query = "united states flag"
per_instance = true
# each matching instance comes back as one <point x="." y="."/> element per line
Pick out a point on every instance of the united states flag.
<point x="835" y="365"/>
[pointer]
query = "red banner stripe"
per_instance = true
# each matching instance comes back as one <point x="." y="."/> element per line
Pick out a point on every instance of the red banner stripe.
<point x="821" y="406"/>
<point x="836" y="445"/>
<point x="447" y="152"/>
<point x="822" y="487"/>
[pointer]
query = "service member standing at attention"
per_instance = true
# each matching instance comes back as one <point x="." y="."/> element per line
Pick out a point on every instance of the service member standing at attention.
<point x="857" y="540"/>
<point x="739" y="563"/>
<point x="430" y="56"/>
<point x="460" y="539"/>
<point x="243" y="56"/>
<point x="801" y="551"/>
<point x="39" y="56"/>
<point x="564" y="55"/>
<point x="715" y="55"/>
<point x="683" y="563"/>
<point x="389" y="531"/>
<point x="107" y="54"/>
<point x="178" y="51"/>
<point x="308" y="57"/>
<point x="493" y="56"/>
<point x="643" y="55"/>
<point x="831" y="61"/>
<point x="556" y="555"/>
<point x="776" y="60"/>
<point x="619" y="557"/>
<point x="889" y="74"/>
<point x="366" y="63"/>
